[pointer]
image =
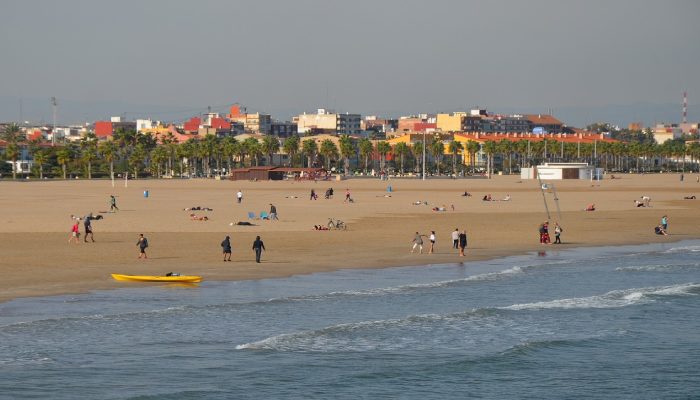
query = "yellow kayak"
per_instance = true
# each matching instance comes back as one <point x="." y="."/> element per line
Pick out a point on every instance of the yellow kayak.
<point x="148" y="278"/>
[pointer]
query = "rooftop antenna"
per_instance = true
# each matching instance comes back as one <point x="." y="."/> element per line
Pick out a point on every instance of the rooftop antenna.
<point x="685" y="107"/>
<point x="54" y="105"/>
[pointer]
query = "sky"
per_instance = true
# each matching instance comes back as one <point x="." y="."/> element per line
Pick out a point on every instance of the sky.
<point x="586" y="61"/>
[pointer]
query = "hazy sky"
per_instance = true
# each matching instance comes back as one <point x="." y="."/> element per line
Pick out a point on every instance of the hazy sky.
<point x="382" y="57"/>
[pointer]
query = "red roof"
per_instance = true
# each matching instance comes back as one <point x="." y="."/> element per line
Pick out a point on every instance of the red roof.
<point x="542" y="119"/>
<point x="103" y="129"/>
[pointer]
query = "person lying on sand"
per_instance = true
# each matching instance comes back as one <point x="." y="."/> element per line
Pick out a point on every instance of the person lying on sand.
<point x="590" y="207"/>
<point x="507" y="198"/>
<point x="198" y="208"/>
<point x="486" y="197"/>
<point x="638" y="203"/>
<point x="689" y="198"/>
<point x="195" y="217"/>
<point x="321" y="228"/>
<point x="466" y="194"/>
<point x="439" y="209"/>
<point x="659" y="230"/>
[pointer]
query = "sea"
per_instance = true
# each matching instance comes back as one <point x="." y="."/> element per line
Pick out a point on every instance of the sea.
<point x="617" y="322"/>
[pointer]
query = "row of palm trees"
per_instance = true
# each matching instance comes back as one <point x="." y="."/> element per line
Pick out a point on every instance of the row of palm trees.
<point x="210" y="155"/>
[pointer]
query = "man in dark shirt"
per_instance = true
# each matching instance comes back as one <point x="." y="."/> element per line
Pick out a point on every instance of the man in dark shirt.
<point x="226" y="246"/>
<point x="258" y="247"/>
<point x="273" y="212"/>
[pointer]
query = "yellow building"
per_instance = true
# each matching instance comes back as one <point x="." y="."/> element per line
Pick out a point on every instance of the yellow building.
<point x="451" y="122"/>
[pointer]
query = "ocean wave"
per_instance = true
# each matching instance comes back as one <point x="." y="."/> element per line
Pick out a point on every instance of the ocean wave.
<point x="613" y="299"/>
<point x="24" y="361"/>
<point x="687" y="249"/>
<point x="378" y="334"/>
<point x="656" y="267"/>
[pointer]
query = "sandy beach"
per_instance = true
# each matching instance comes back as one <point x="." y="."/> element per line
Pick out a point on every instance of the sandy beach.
<point x="37" y="259"/>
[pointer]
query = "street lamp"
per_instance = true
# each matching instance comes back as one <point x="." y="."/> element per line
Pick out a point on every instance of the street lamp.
<point x="423" y="154"/>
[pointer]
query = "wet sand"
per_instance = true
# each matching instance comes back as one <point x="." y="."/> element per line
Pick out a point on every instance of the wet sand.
<point x="38" y="261"/>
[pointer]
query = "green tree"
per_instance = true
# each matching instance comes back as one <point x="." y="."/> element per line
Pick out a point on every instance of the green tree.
<point x="455" y="148"/>
<point x="137" y="158"/>
<point x="437" y="149"/>
<point x="63" y="157"/>
<point x="472" y="148"/>
<point x="309" y="148"/>
<point x="12" y="136"/>
<point x="347" y="150"/>
<point x="383" y="148"/>
<point x="401" y="149"/>
<point x="329" y="151"/>
<point x="270" y="146"/>
<point x="366" y="150"/>
<point x="108" y="150"/>
<point x="88" y="151"/>
<point x="159" y="155"/>
<point x="489" y="147"/>
<point x="417" y="150"/>
<point x="291" y="147"/>
<point x="254" y="150"/>
<point x="41" y="157"/>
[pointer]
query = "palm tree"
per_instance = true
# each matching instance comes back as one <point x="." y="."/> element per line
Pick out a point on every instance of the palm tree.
<point x="291" y="147"/>
<point x="329" y="151"/>
<point x="366" y="150"/>
<point x="12" y="137"/>
<point x="455" y="147"/>
<point x="309" y="148"/>
<point x="383" y="148"/>
<point x="88" y="151"/>
<point x="437" y="149"/>
<point x="401" y="149"/>
<point x="108" y="150"/>
<point x="138" y="156"/>
<point x="253" y="148"/>
<point x="489" y="148"/>
<point x="473" y="148"/>
<point x="40" y="158"/>
<point x="417" y="150"/>
<point x="505" y="147"/>
<point x="158" y="156"/>
<point x="347" y="150"/>
<point x="63" y="156"/>
<point x="228" y="149"/>
<point x="207" y="150"/>
<point x="270" y="146"/>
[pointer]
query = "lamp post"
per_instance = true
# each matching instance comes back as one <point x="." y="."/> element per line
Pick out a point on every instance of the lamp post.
<point x="423" y="154"/>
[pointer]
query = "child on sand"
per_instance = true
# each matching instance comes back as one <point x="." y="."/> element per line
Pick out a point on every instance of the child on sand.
<point x="75" y="232"/>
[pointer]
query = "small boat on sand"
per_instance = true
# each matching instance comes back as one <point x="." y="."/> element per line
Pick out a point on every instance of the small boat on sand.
<point x="162" y="278"/>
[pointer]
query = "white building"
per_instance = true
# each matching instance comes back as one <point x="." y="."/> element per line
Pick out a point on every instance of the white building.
<point x="143" y="124"/>
<point x="558" y="171"/>
<point x="327" y="121"/>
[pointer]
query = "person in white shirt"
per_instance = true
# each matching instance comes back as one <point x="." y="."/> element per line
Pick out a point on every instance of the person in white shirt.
<point x="455" y="239"/>
<point x="239" y="196"/>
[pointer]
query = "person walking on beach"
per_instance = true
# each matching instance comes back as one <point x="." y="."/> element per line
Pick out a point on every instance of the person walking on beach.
<point x="258" y="247"/>
<point x="226" y="246"/>
<point x="418" y="242"/>
<point x="143" y="244"/>
<point x="455" y="239"/>
<point x="557" y="233"/>
<point x="88" y="228"/>
<point x="239" y="196"/>
<point x="113" y="203"/>
<point x="75" y="232"/>
<point x="462" y="243"/>
<point x="347" y="195"/>
<point x="432" y="242"/>
<point x="664" y="223"/>
<point x="313" y="195"/>
<point x="273" y="212"/>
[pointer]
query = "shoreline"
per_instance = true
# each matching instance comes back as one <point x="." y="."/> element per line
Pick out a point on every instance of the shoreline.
<point x="38" y="262"/>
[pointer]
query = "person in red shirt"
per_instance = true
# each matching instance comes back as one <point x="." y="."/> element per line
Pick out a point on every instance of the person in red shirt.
<point x="75" y="232"/>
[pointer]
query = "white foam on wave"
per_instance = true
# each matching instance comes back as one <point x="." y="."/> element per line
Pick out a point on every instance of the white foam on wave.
<point x="613" y="299"/>
<point x="688" y="249"/>
<point x="375" y="335"/>
<point x="656" y="267"/>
